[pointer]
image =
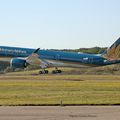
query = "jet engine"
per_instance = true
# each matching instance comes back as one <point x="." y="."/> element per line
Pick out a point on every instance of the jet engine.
<point x="18" y="63"/>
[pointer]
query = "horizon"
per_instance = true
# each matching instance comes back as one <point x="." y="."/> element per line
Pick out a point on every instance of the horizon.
<point x="57" y="49"/>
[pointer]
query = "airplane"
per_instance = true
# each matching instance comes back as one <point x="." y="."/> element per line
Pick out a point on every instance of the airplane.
<point x="23" y="57"/>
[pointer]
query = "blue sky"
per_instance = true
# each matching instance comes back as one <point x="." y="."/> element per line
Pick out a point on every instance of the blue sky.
<point x="59" y="23"/>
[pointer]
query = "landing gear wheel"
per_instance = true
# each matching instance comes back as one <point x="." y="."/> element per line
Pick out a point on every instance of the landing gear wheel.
<point x="56" y="71"/>
<point x="59" y="71"/>
<point x="44" y="72"/>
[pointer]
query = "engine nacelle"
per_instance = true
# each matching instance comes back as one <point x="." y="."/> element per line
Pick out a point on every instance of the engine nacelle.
<point x="18" y="63"/>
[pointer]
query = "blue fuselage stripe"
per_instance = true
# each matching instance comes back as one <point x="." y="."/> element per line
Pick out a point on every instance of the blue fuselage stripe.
<point x="54" y="55"/>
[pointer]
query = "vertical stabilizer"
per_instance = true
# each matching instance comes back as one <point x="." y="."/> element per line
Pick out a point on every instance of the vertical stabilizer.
<point x="113" y="53"/>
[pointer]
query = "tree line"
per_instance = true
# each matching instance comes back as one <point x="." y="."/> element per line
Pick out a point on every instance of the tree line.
<point x="93" y="50"/>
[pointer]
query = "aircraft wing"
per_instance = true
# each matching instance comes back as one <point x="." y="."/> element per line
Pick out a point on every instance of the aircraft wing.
<point x="34" y="59"/>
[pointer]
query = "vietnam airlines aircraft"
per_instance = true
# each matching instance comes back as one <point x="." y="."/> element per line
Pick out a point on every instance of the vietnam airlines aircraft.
<point x="23" y="57"/>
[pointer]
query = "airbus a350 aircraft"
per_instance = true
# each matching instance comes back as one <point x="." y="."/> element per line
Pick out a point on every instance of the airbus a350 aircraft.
<point x="22" y="57"/>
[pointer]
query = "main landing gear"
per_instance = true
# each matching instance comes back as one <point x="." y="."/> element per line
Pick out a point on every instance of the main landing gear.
<point x="56" y="71"/>
<point x="43" y="72"/>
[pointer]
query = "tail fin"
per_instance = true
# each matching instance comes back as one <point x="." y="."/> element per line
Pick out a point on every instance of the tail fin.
<point x="113" y="53"/>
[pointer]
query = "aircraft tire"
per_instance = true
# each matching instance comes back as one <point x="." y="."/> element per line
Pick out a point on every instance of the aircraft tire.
<point x="59" y="71"/>
<point x="56" y="71"/>
<point x="44" y="72"/>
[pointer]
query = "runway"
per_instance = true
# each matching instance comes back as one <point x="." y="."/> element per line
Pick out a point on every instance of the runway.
<point x="60" y="113"/>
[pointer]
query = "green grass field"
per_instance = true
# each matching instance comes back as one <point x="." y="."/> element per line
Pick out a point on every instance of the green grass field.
<point x="24" y="88"/>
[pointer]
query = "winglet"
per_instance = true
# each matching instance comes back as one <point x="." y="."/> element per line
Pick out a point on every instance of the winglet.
<point x="36" y="51"/>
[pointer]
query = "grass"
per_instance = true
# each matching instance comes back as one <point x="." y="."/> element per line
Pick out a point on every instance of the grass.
<point x="105" y="70"/>
<point x="27" y="89"/>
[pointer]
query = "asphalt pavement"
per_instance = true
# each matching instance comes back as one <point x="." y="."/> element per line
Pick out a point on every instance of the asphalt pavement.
<point x="60" y="113"/>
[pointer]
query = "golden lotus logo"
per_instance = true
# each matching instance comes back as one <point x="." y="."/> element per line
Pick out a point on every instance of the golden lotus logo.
<point x="113" y="53"/>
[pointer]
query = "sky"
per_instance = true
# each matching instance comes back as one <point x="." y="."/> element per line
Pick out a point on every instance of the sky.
<point x="59" y="24"/>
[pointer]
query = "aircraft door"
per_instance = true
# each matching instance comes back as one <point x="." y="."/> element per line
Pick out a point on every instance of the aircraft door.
<point x="91" y="60"/>
<point x="57" y="57"/>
